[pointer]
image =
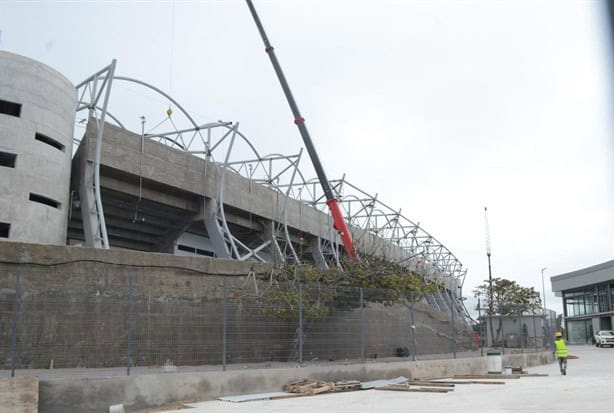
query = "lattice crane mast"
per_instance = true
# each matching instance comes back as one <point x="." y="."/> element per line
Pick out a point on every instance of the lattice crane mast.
<point x="331" y="201"/>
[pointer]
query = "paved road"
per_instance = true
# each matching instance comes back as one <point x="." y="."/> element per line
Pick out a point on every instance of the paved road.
<point x="588" y="387"/>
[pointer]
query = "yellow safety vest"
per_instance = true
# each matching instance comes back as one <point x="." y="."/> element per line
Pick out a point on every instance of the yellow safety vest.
<point x="561" y="348"/>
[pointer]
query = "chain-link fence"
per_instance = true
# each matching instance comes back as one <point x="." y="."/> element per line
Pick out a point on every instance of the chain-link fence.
<point x="101" y="319"/>
<point x="517" y="329"/>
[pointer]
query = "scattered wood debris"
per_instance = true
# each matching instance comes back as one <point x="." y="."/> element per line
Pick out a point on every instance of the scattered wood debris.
<point x="347" y="385"/>
<point x="487" y="376"/>
<point x="431" y="383"/>
<point x="407" y="388"/>
<point x="311" y="386"/>
<point x="473" y="382"/>
<point x="308" y="386"/>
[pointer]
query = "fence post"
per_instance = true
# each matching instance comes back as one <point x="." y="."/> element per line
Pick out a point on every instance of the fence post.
<point x="502" y="331"/>
<point x="224" y="323"/>
<point x="522" y="335"/>
<point x="413" y="327"/>
<point x="534" y="333"/>
<point x="300" y="324"/>
<point x="129" y="359"/>
<point x="480" y="329"/>
<point x="452" y="310"/>
<point x="15" y="321"/>
<point x="362" y="325"/>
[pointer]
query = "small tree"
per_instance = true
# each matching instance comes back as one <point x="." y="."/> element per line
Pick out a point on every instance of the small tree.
<point x="508" y="298"/>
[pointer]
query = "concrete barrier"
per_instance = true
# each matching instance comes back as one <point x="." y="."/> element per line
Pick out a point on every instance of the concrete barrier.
<point x="152" y="390"/>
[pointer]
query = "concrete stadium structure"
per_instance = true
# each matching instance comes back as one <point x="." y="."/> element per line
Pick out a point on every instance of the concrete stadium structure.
<point x="37" y="113"/>
<point x="192" y="189"/>
<point x="588" y="300"/>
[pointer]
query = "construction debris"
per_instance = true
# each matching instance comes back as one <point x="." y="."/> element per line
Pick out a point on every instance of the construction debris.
<point x="402" y="387"/>
<point x="486" y="376"/>
<point x="255" y="397"/>
<point x="431" y="383"/>
<point x="347" y="385"/>
<point x="472" y="382"/>
<point x="311" y="386"/>
<point x="382" y="383"/>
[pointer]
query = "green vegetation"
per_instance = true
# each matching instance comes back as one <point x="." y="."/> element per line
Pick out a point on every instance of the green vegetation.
<point x="508" y="298"/>
<point x="324" y="290"/>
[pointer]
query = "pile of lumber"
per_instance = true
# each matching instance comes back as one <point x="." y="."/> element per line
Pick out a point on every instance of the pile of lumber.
<point x="309" y="387"/>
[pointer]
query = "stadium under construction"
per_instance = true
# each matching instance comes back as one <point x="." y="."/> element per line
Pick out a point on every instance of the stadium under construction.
<point x="201" y="189"/>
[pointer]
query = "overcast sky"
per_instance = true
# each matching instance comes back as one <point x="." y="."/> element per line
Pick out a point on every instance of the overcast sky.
<point x="440" y="107"/>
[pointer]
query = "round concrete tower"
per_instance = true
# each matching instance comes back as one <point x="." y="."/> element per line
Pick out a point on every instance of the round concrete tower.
<point x="37" y="114"/>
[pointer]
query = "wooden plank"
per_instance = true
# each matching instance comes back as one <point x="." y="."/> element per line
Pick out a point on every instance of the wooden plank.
<point x="396" y="387"/>
<point x="346" y="385"/>
<point x="470" y="382"/>
<point x="431" y="383"/>
<point x="300" y="386"/>
<point x="19" y="394"/>
<point x="322" y="389"/>
<point x="487" y="376"/>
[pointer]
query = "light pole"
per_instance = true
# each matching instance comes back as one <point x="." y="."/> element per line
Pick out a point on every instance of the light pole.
<point x="546" y="326"/>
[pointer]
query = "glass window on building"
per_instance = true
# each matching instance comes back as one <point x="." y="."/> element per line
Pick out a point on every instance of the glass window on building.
<point x="590" y="300"/>
<point x="604" y="302"/>
<point x="579" y="331"/>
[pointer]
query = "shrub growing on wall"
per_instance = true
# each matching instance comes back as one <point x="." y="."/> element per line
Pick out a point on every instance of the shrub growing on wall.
<point x="324" y="290"/>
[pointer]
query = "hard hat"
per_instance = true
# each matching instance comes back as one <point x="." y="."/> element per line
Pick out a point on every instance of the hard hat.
<point x="558" y="334"/>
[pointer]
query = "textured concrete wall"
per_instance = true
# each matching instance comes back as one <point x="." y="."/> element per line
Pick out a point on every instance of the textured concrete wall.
<point x="138" y="392"/>
<point x="76" y="313"/>
<point x="48" y="107"/>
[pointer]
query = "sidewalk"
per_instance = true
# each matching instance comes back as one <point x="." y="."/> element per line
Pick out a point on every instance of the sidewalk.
<point x="588" y="386"/>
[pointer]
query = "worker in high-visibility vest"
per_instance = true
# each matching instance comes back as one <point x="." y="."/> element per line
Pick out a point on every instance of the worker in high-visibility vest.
<point x="561" y="352"/>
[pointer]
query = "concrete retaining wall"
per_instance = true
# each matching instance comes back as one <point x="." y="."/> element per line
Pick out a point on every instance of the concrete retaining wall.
<point x="76" y="314"/>
<point x="95" y="395"/>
